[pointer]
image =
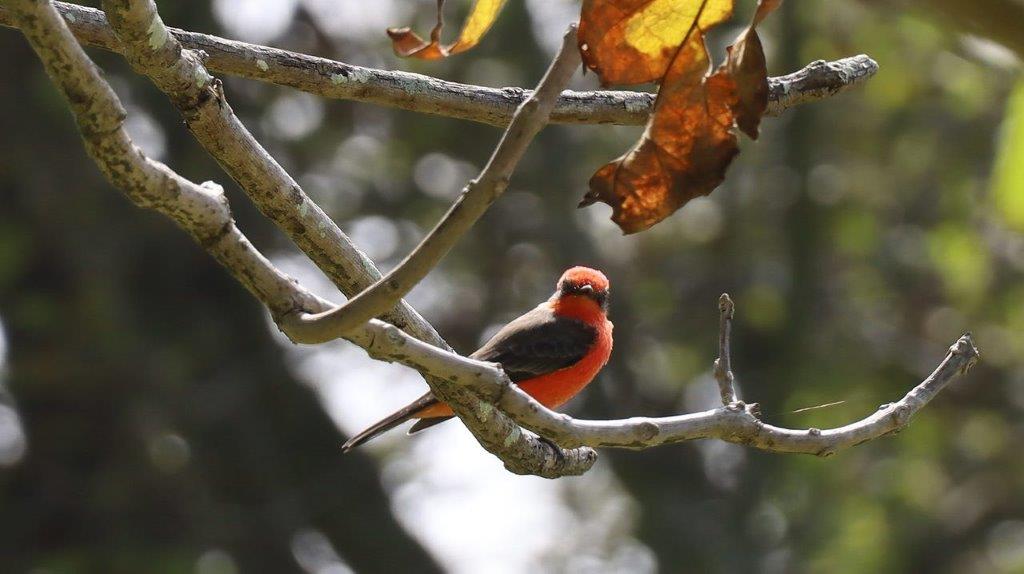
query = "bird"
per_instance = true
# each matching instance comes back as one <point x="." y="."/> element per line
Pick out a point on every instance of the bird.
<point x="552" y="352"/>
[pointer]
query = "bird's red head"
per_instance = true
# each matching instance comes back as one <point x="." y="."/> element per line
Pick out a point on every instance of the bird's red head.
<point x="584" y="282"/>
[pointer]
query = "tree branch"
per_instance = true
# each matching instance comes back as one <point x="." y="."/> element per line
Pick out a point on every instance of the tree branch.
<point x="739" y="423"/>
<point x="476" y="198"/>
<point x="181" y="74"/>
<point x="418" y="93"/>
<point x="817" y="81"/>
<point x="736" y="422"/>
<point x="202" y="210"/>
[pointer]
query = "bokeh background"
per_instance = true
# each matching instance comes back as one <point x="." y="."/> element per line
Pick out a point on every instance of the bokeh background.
<point x="153" y="419"/>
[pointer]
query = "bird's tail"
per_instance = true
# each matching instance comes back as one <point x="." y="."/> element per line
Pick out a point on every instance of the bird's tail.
<point x="389" y="422"/>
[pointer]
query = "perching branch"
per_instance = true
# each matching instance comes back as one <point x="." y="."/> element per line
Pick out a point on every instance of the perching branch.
<point x="736" y="422"/>
<point x="180" y="73"/>
<point x="476" y="197"/>
<point x="203" y="211"/>
<point x="418" y="93"/>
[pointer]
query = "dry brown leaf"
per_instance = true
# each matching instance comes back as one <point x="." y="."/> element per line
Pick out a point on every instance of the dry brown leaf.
<point x="683" y="152"/>
<point x="746" y="64"/>
<point x="689" y="140"/>
<point x="407" y="43"/>
<point x="634" y="41"/>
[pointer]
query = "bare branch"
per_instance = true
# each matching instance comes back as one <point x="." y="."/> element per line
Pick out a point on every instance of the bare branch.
<point x="723" y="364"/>
<point x="736" y="423"/>
<point x="202" y="210"/>
<point x="817" y="81"/>
<point x="180" y="73"/>
<point x="476" y="198"/>
<point x="741" y="425"/>
<point x="415" y="92"/>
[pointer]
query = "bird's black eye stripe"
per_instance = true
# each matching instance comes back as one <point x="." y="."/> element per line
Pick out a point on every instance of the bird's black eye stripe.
<point x="574" y="288"/>
<point x="569" y="288"/>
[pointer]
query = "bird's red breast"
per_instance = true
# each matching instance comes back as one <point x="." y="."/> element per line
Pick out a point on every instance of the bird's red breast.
<point x="556" y="388"/>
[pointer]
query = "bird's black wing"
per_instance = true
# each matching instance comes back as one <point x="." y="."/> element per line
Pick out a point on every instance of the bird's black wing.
<point x="535" y="344"/>
<point x="538" y="343"/>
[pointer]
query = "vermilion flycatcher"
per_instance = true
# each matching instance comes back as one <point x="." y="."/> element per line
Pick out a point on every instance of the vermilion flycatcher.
<point x="551" y="352"/>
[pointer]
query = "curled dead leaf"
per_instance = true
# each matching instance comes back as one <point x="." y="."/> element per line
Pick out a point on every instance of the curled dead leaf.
<point x="689" y="140"/>
<point x="746" y="64"/>
<point x="407" y="43"/>
<point x="683" y="152"/>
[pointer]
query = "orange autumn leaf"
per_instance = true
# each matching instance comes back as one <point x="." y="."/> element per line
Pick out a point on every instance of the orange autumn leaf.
<point x="407" y="43"/>
<point x="683" y="152"/>
<point x="689" y="140"/>
<point x="634" y="41"/>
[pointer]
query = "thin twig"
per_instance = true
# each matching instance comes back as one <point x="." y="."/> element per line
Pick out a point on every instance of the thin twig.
<point x="418" y="93"/>
<point x="817" y="81"/>
<point x="723" y="364"/>
<point x="202" y="210"/>
<point x="476" y="198"/>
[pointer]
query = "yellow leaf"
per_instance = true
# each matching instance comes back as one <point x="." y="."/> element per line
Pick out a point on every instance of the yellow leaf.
<point x="634" y="41"/>
<point x="689" y="141"/>
<point x="408" y="44"/>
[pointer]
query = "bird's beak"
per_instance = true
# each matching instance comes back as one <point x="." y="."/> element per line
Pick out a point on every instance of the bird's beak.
<point x="587" y="290"/>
